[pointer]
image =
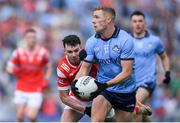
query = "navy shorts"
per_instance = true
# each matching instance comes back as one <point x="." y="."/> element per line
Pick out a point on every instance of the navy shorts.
<point x="149" y="86"/>
<point x="122" y="101"/>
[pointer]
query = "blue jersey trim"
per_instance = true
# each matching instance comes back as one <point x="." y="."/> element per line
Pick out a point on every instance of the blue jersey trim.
<point x="87" y="61"/>
<point x="114" y="35"/>
<point x="161" y="52"/>
<point x="146" y="35"/>
<point x="127" y="58"/>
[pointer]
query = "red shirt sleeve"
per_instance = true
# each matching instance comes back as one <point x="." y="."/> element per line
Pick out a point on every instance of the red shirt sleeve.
<point x="14" y="60"/>
<point x="63" y="82"/>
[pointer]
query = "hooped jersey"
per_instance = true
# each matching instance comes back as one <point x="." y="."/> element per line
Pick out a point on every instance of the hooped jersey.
<point x="31" y="68"/>
<point x="66" y="73"/>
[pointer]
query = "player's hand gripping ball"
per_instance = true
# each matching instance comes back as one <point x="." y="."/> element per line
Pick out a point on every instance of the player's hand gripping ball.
<point x="84" y="86"/>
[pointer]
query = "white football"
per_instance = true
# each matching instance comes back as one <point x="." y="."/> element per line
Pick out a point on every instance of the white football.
<point x="86" y="85"/>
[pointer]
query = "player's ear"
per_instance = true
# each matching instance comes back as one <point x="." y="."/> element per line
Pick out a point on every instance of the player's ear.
<point x="108" y="18"/>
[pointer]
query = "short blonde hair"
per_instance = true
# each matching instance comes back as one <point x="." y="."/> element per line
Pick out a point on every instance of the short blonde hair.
<point x="106" y="9"/>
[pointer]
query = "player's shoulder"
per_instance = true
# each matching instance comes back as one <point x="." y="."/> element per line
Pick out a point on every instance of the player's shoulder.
<point x="63" y="65"/>
<point x="154" y="37"/>
<point x="125" y="38"/>
<point x="61" y="72"/>
<point x="92" y="39"/>
<point x="62" y="60"/>
<point x="19" y="50"/>
<point x="43" y="50"/>
<point x="124" y="35"/>
<point x="123" y="32"/>
<point x="15" y="52"/>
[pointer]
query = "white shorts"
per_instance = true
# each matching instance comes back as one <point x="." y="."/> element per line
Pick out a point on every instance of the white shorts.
<point x="88" y="104"/>
<point x="31" y="99"/>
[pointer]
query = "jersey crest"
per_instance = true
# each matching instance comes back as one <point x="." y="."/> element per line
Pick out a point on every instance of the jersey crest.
<point x="116" y="48"/>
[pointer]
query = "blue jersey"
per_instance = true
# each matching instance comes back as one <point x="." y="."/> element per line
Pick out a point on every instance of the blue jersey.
<point x="108" y="53"/>
<point x="146" y="49"/>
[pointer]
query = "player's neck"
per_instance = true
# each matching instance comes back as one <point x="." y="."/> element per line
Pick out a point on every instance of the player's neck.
<point x="108" y="32"/>
<point x="139" y="35"/>
<point x="31" y="48"/>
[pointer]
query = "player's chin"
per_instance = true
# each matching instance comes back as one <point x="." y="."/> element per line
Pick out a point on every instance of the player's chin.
<point x="139" y="31"/>
<point x="98" y="31"/>
<point x="75" y="58"/>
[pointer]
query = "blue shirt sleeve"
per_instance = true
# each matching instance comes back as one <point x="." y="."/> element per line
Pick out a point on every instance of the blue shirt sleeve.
<point x="89" y="47"/>
<point x="160" y="48"/>
<point x="127" y="49"/>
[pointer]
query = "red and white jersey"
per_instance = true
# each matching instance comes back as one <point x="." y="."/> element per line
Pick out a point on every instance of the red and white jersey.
<point x="31" y="68"/>
<point x="66" y="73"/>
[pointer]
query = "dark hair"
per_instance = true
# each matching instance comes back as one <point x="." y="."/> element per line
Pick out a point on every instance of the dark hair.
<point x="72" y="40"/>
<point x="139" y="13"/>
<point x="30" y="30"/>
<point x="106" y="9"/>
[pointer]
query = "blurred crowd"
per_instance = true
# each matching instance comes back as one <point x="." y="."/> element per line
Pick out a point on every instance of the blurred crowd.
<point x="55" y="19"/>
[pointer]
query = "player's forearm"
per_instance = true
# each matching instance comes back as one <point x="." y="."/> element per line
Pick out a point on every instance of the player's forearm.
<point x="13" y="71"/>
<point x="166" y="63"/>
<point x="75" y="105"/>
<point x="84" y="70"/>
<point x="72" y="103"/>
<point x="124" y="75"/>
<point x="119" y="78"/>
<point x="9" y="70"/>
<point x="80" y="74"/>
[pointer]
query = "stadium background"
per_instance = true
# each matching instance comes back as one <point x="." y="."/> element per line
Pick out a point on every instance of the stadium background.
<point x="54" y="19"/>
